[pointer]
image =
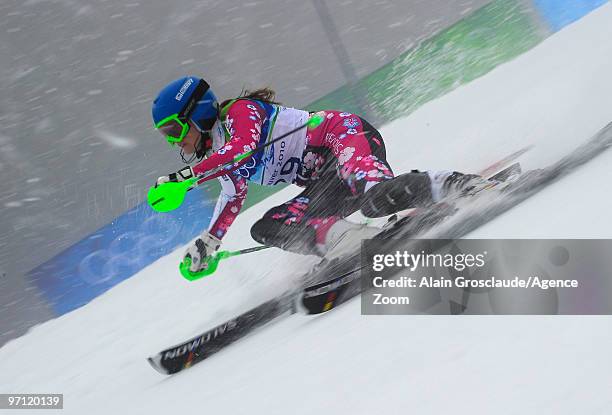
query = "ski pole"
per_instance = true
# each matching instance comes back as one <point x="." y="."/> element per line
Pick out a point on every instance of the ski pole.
<point x="170" y="195"/>
<point x="213" y="262"/>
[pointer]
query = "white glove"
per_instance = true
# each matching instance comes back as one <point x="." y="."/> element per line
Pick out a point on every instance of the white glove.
<point x="203" y="247"/>
<point x="180" y="176"/>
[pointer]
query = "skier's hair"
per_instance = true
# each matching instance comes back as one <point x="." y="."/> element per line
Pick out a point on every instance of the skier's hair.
<point x="265" y="94"/>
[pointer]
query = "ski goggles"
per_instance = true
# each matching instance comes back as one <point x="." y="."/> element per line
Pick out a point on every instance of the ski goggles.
<point x="175" y="127"/>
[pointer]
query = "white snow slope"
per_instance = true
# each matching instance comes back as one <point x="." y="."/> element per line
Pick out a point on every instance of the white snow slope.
<point x="554" y="97"/>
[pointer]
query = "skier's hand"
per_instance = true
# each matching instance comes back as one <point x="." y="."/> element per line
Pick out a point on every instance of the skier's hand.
<point x="181" y="175"/>
<point x="200" y="250"/>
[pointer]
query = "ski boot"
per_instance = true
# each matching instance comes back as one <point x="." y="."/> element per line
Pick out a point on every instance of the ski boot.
<point x="421" y="189"/>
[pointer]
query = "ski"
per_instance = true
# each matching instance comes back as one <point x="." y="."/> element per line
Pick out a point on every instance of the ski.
<point x="184" y="355"/>
<point x="196" y="349"/>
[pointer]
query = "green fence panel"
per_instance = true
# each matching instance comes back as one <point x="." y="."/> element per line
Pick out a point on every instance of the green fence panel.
<point x="465" y="51"/>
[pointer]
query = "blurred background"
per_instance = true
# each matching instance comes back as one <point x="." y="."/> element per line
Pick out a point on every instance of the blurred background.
<point x="78" y="150"/>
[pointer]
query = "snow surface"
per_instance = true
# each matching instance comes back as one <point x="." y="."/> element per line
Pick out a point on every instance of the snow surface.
<point x="555" y="96"/>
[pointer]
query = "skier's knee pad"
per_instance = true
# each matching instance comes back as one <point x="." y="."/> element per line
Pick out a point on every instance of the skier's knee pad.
<point x="300" y="239"/>
<point x="402" y="192"/>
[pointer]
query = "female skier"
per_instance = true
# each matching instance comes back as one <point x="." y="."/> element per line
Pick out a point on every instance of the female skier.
<point x="341" y="164"/>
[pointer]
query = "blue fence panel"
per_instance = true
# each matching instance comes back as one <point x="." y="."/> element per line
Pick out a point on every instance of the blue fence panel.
<point x="560" y="13"/>
<point x="119" y="250"/>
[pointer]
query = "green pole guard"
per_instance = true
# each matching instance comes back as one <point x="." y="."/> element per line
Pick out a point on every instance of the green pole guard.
<point x="213" y="263"/>
<point x="170" y="195"/>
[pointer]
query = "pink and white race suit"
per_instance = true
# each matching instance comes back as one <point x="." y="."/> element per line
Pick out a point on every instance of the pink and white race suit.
<point x="335" y="162"/>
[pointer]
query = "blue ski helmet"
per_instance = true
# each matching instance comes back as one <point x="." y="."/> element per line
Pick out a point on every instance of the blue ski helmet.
<point x="190" y="98"/>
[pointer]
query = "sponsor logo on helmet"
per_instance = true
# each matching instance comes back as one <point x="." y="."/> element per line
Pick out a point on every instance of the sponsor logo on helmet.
<point x="186" y="85"/>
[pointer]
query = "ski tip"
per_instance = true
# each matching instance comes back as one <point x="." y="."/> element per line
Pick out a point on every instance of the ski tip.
<point x="155" y="362"/>
<point x="298" y="305"/>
